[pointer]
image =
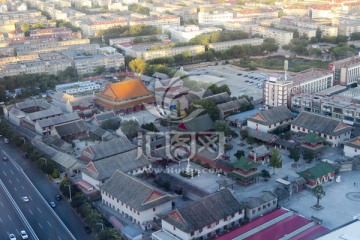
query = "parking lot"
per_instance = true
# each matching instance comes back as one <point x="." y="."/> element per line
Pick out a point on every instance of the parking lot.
<point x="240" y="82"/>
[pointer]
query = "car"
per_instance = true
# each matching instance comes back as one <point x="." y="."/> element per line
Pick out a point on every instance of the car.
<point x="12" y="236"/>
<point x="25" y="156"/>
<point x="87" y="229"/>
<point x="52" y="204"/>
<point x="5" y="158"/>
<point x="246" y="80"/>
<point x="239" y="74"/>
<point x="23" y="234"/>
<point x="25" y="199"/>
<point x="58" y="197"/>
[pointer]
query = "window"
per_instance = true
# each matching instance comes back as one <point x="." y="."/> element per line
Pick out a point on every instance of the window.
<point x="200" y="230"/>
<point x="240" y="212"/>
<point x="192" y="233"/>
<point x="233" y="215"/>
<point x="154" y="209"/>
<point x="174" y="228"/>
<point x="209" y="226"/>
<point x="253" y="211"/>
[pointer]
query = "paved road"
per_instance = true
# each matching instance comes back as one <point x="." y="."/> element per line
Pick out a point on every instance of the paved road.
<point x="48" y="191"/>
<point x="37" y="211"/>
<point x="10" y="222"/>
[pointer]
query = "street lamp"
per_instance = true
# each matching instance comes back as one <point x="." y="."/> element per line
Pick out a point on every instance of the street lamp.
<point x="45" y="160"/>
<point x="102" y="225"/>
<point x="66" y="185"/>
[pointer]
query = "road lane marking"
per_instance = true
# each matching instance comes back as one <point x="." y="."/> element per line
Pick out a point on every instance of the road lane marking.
<point x="1" y="220"/>
<point x="40" y="226"/>
<point x="10" y="181"/>
<point x="11" y="171"/>
<point x="39" y="210"/>
<point x="1" y="204"/>
<point x="31" y="212"/>
<point x="4" y="173"/>
<point x="17" y="180"/>
<point x="59" y="238"/>
<point x="15" y="189"/>
<point x="49" y="223"/>
<point x="22" y="187"/>
<point x="9" y="217"/>
<point x="30" y="198"/>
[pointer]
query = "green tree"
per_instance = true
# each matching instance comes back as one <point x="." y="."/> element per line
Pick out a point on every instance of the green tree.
<point x="318" y="33"/>
<point x="223" y="126"/>
<point x="265" y="174"/>
<point x="275" y="160"/>
<point x="138" y="65"/>
<point x="25" y="27"/>
<point x="219" y="89"/>
<point x="295" y="154"/>
<point x="100" y="70"/>
<point x="355" y="36"/>
<point x="239" y="154"/>
<point x="209" y="107"/>
<point x="319" y="193"/>
<point x="111" y="124"/>
<point x="130" y="128"/>
<point x="309" y="156"/>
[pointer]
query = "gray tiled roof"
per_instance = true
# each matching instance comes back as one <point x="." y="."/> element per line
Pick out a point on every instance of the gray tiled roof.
<point x="71" y="128"/>
<point x="263" y="136"/>
<point x="134" y="192"/>
<point x="105" y="135"/>
<point x="233" y="104"/>
<point x="354" y="143"/>
<point x="259" y="151"/>
<point x="219" y="98"/>
<point x="265" y="197"/>
<point x="109" y="148"/>
<point x="319" y="123"/>
<point x="33" y="103"/>
<point x="52" y="121"/>
<point x="45" y="113"/>
<point x="105" y="116"/>
<point x="206" y="211"/>
<point x="17" y="113"/>
<point x="160" y="75"/>
<point x="123" y="162"/>
<point x="273" y="115"/>
<point x="200" y="123"/>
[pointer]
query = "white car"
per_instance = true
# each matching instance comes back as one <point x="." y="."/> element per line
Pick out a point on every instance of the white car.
<point x="25" y="199"/>
<point x="24" y="235"/>
<point x="12" y="236"/>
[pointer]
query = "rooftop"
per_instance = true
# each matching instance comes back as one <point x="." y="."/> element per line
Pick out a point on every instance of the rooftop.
<point x="309" y="75"/>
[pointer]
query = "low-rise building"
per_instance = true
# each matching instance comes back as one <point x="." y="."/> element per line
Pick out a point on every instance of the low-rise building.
<point x="204" y="218"/>
<point x="134" y="199"/>
<point x="319" y="174"/>
<point x="148" y="52"/>
<point x="346" y="71"/>
<point x="258" y="206"/>
<point x="131" y="162"/>
<point x="186" y="33"/>
<point x="77" y="87"/>
<point x="281" y="37"/>
<point x="333" y="130"/>
<point x="222" y="46"/>
<point x="352" y="147"/>
<point x="245" y="171"/>
<point x="214" y="18"/>
<point x="268" y="120"/>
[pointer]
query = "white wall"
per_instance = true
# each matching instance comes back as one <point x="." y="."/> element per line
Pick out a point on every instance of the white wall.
<point x="142" y="217"/>
<point x="197" y="234"/>
<point x="90" y="180"/>
<point x="350" y="151"/>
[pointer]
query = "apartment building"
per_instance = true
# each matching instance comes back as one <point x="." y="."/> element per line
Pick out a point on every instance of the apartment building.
<point x="17" y="16"/>
<point x="339" y="106"/>
<point x="157" y="21"/>
<point x="186" y="33"/>
<point x="277" y="92"/>
<point x="348" y="26"/>
<point x="114" y="41"/>
<point x="320" y="11"/>
<point x="326" y="30"/>
<point x="50" y="31"/>
<point x="50" y="66"/>
<point x="87" y="64"/>
<point x="77" y="87"/>
<point x="50" y="46"/>
<point x="346" y="71"/>
<point x="302" y="30"/>
<point x="91" y="28"/>
<point x="215" y="18"/>
<point x="295" y="10"/>
<point x="142" y="50"/>
<point x="222" y="46"/>
<point x="281" y="37"/>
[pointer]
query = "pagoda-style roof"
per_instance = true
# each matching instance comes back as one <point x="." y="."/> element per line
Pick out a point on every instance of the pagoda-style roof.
<point x="238" y="176"/>
<point x="246" y="164"/>
<point x="125" y="90"/>
<point x="319" y="170"/>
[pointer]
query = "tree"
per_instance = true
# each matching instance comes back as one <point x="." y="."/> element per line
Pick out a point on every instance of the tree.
<point x="222" y="126"/>
<point x="355" y="36"/>
<point x="209" y="107"/>
<point x="110" y="124"/>
<point x="239" y="154"/>
<point x="309" y="156"/>
<point x="295" y="154"/>
<point x="129" y="128"/>
<point x="318" y="33"/>
<point x="265" y="174"/>
<point x="219" y="89"/>
<point x="138" y="65"/>
<point x="25" y="27"/>
<point x="275" y="160"/>
<point x="319" y="193"/>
